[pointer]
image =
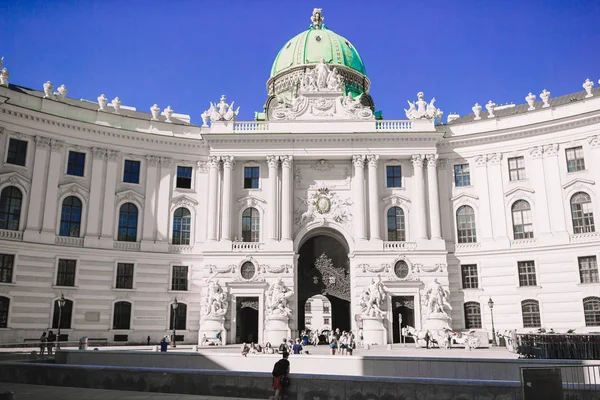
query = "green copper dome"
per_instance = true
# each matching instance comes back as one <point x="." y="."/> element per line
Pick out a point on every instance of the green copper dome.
<point x="308" y="47"/>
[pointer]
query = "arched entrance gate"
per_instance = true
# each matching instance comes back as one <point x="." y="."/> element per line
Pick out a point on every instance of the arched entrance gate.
<point x="324" y="270"/>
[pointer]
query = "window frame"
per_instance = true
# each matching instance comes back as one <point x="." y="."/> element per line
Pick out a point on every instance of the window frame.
<point x="466" y="315"/>
<point x="60" y="221"/>
<point x="8" y="152"/>
<point x="461" y="176"/>
<point x="181" y="231"/>
<point x="596" y="315"/>
<point x="170" y="317"/>
<point x="252" y="225"/>
<point x="539" y="313"/>
<point x="118" y="225"/>
<point x="127" y="161"/>
<point x="84" y="166"/>
<point x="58" y="273"/>
<point x="464" y="279"/>
<point x="590" y="272"/>
<point x="403" y="231"/>
<point x="578" y="163"/>
<point x="11" y="215"/>
<point x="527" y="274"/>
<point x="116" y="274"/>
<point x="472" y="238"/>
<point x="114" y="315"/>
<point x="9" y="300"/>
<point x="586" y="222"/>
<point x="54" y="313"/>
<point x="12" y="269"/>
<point x="521" y="171"/>
<point x="252" y="178"/>
<point x="522" y="213"/>
<point x="172" y="277"/>
<point x="393" y="176"/>
<point x="177" y="177"/>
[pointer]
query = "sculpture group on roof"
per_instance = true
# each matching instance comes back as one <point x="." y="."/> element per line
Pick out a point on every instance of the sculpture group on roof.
<point x="422" y="109"/>
<point x="220" y="111"/>
<point x="321" y="78"/>
<point x="4" y="75"/>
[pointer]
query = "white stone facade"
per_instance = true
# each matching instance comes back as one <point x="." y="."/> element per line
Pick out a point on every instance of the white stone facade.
<point x="322" y="176"/>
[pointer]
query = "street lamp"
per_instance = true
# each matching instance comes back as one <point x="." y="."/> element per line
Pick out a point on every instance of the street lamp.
<point x="61" y="304"/>
<point x="491" y="305"/>
<point x="174" y="305"/>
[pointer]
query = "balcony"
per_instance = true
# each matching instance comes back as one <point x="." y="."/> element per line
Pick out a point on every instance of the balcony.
<point x="585" y="237"/>
<point x="393" y="126"/>
<point x="247" y="246"/>
<point x="69" y="241"/>
<point x="130" y="246"/>
<point x="395" y="246"/>
<point x="11" y="235"/>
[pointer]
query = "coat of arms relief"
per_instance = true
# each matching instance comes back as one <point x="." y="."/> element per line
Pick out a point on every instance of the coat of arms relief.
<point x="322" y="204"/>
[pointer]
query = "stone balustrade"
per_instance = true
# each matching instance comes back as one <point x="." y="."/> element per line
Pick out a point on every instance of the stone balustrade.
<point x="467" y="246"/>
<point x="250" y="126"/>
<point x="247" y="246"/>
<point x="11" y="235"/>
<point x="394" y="246"/>
<point x="132" y="246"/>
<point x="180" y="248"/>
<point x="585" y="237"/>
<point x="393" y="126"/>
<point x="69" y="241"/>
<point x="519" y="243"/>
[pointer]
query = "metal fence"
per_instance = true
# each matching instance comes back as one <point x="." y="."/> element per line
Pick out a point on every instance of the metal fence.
<point x="572" y="382"/>
<point x="581" y="378"/>
<point x="559" y="346"/>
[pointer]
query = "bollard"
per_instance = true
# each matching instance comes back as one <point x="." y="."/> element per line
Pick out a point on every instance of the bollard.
<point x="195" y="348"/>
<point x="155" y="349"/>
<point x="389" y="347"/>
<point x="367" y="346"/>
<point x="6" y="395"/>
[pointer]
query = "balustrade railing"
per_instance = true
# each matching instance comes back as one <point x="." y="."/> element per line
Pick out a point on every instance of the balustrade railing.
<point x="69" y="241"/>
<point x="11" y="235"/>
<point x="523" y="242"/>
<point x="250" y="126"/>
<point x="247" y="246"/>
<point x="467" y="246"/>
<point x="393" y="246"/>
<point x="393" y="126"/>
<point x="127" y="246"/>
<point x="585" y="237"/>
<point x="177" y="248"/>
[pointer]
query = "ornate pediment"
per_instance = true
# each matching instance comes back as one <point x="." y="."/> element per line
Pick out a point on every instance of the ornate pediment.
<point x="251" y="201"/>
<point x="517" y="190"/>
<point x="14" y="178"/>
<point x="396" y="200"/>
<point x="183" y="201"/>
<point x="129" y="195"/>
<point x="580" y="182"/>
<point x="464" y="196"/>
<point x="323" y="205"/>
<point x="73" y="188"/>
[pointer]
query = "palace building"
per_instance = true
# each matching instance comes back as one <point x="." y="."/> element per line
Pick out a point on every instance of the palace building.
<point x="119" y="224"/>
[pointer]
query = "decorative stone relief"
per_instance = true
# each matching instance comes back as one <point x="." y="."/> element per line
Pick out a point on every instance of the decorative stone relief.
<point x="166" y="161"/>
<point x="215" y="301"/>
<point x="494" y="158"/>
<point x="57" y="144"/>
<point x="152" y="161"/>
<point x="422" y="109"/>
<point x="220" y="111"/>
<point x="392" y="270"/>
<point x="322" y="165"/>
<point x="278" y="270"/>
<point x="112" y="155"/>
<point x="321" y="78"/>
<point x="16" y="179"/>
<point x="417" y="160"/>
<point x="435" y="298"/>
<point x="74" y="188"/>
<point x="129" y="195"/>
<point x="251" y="201"/>
<point x="276" y="300"/>
<point x="545" y="96"/>
<point x="42" y="141"/>
<point x="437" y="267"/>
<point x="183" y="201"/>
<point x="324" y="205"/>
<point x="98" y="153"/>
<point x="372" y="299"/>
<point x="215" y="270"/>
<point x="551" y="149"/>
<point x="373" y="269"/>
<point x="536" y="151"/>
<point x="594" y="141"/>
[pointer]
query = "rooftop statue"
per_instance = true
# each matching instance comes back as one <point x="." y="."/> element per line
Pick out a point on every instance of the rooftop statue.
<point x="61" y="92"/>
<point x="220" y="111"/>
<point x="422" y="109"/>
<point x="317" y="18"/>
<point x="102" y="101"/>
<point x="321" y="79"/>
<point x="4" y="75"/>
<point x="48" y="90"/>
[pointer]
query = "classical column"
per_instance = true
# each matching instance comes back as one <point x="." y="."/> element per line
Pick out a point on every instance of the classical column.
<point x="34" y="212"/>
<point x="94" y="214"/>
<point x="272" y="162"/>
<point x="419" y="197"/>
<point x="556" y="206"/>
<point x="484" y="217"/>
<point x="213" y="188"/>
<point x="108" y="211"/>
<point x="374" y="210"/>
<point x="286" y="197"/>
<point x="498" y="214"/>
<point x="163" y="213"/>
<point x="536" y="169"/>
<point x="434" y="198"/>
<point x="150" y="197"/>
<point x="228" y="163"/>
<point x="358" y="188"/>
<point x="55" y="170"/>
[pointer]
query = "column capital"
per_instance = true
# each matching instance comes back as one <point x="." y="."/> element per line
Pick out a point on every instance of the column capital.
<point x="228" y="161"/>
<point x="213" y="162"/>
<point x="536" y="151"/>
<point x="481" y="160"/>
<point x="417" y="160"/>
<point x="272" y="161"/>
<point x="372" y="160"/>
<point x="432" y="160"/>
<point x="112" y="155"/>
<point x="152" y="161"/>
<point x="594" y="141"/>
<point x="286" y="161"/>
<point x="57" y="144"/>
<point x="494" y="158"/>
<point x="551" y="150"/>
<point x="98" y="153"/>
<point x="358" y="160"/>
<point x="166" y="161"/>
<point x="42" y="141"/>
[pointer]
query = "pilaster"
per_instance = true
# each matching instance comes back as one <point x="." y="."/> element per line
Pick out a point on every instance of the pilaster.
<point x="483" y="218"/>
<point x="108" y="211"/>
<point x="55" y="169"/>
<point x="537" y="170"/>
<point x="34" y="213"/>
<point x="286" y="198"/>
<point x="374" y="209"/>
<point x="419" y="197"/>
<point x="498" y="214"/>
<point x="556" y="207"/>
<point x="164" y="198"/>
<point x="94" y="210"/>
<point x="272" y="162"/>
<point x="213" y="175"/>
<point x="150" y="203"/>
<point x="228" y="163"/>
<point x="358" y="189"/>
<point x="434" y="198"/>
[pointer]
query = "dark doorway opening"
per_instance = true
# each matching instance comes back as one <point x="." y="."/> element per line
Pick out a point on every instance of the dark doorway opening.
<point x="403" y="308"/>
<point x="246" y="325"/>
<point x="323" y="268"/>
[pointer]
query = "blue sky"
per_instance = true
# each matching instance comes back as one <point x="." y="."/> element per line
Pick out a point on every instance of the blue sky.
<point x="187" y="53"/>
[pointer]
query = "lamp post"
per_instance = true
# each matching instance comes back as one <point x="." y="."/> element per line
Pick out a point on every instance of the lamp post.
<point x="491" y="305"/>
<point x="61" y="304"/>
<point x="174" y="305"/>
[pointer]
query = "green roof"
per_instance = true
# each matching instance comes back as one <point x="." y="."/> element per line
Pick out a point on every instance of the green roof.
<point x="310" y="46"/>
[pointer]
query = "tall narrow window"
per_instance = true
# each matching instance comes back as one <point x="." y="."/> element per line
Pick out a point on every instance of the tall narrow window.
<point x="10" y="208"/>
<point x="180" y="317"/>
<point x="516" y="168"/>
<point x="131" y="171"/>
<point x="184" y="177"/>
<point x="575" y="160"/>
<point x="393" y="175"/>
<point x="308" y="307"/>
<point x="65" y="275"/>
<point x="531" y="314"/>
<point x="395" y="225"/>
<point x="179" y="280"/>
<point x="465" y="225"/>
<point x="582" y="213"/>
<point x="472" y="315"/>
<point x="251" y="176"/>
<point x="124" y="276"/>
<point x="65" y="315"/>
<point x="588" y="269"/>
<point x="122" y="315"/>
<point x="7" y="265"/>
<point x="522" y="220"/>
<point x="70" y="217"/>
<point x="470" y="279"/>
<point x="128" y="221"/>
<point x="462" y="175"/>
<point x="527" y="273"/>
<point x="76" y="165"/>
<point x="17" y="152"/>
<point x="251" y="225"/>
<point x="4" y="306"/>
<point x="182" y="222"/>
<point x="591" y="310"/>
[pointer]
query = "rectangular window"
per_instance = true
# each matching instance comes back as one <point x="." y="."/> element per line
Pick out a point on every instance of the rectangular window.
<point x="307" y="307"/>
<point x="17" y="152"/>
<point x="308" y="320"/>
<point x="7" y="262"/>
<point x="325" y="309"/>
<point x="516" y="168"/>
<point x="131" y="171"/>
<point x="76" y="165"/>
<point x="66" y="272"/>
<point x="469" y="276"/>
<point x="462" y="175"/>
<point x="588" y="269"/>
<point x="575" y="161"/>
<point x="326" y="321"/>
<point x="251" y="177"/>
<point x="180" y="278"/>
<point x="124" y="276"/>
<point x="527" y="273"/>
<point x="184" y="177"/>
<point x="393" y="175"/>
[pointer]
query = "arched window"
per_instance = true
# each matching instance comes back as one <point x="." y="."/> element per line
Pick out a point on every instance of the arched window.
<point x="251" y="225"/>
<point x="531" y="314"/>
<point x="10" y="208"/>
<point x="122" y="315"/>
<point x="522" y="221"/>
<point x="4" y="304"/>
<point x="128" y="221"/>
<point x="472" y="315"/>
<point x="395" y="225"/>
<point x="182" y="222"/>
<point x="180" y="316"/>
<point x="591" y="310"/>
<point x="65" y="315"/>
<point x="582" y="213"/>
<point x="70" y="217"/>
<point x="465" y="225"/>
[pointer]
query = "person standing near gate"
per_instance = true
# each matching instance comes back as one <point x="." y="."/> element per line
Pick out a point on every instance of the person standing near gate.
<point x="281" y="370"/>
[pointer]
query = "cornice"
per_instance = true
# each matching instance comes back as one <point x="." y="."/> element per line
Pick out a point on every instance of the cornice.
<point x="321" y="138"/>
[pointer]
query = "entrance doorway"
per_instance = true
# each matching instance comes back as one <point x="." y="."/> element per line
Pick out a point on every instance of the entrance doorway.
<point x="246" y="320"/>
<point x="324" y="269"/>
<point x="403" y="315"/>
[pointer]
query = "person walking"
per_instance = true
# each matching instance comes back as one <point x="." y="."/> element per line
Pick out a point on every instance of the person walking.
<point x="50" y="343"/>
<point x="43" y="344"/>
<point x="281" y="370"/>
<point x="283" y="347"/>
<point x="297" y="347"/>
